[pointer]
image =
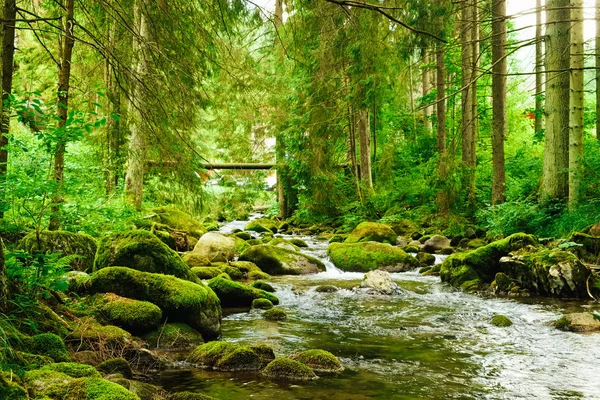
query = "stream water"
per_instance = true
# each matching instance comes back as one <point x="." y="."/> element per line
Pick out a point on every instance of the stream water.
<point x="431" y="342"/>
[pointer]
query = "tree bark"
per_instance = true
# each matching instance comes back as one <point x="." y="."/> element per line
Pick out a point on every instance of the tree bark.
<point x="499" y="99"/>
<point x="64" y="77"/>
<point x="442" y="198"/>
<point x="279" y="147"/>
<point x="598" y="69"/>
<point x="134" y="179"/>
<point x="576" y="104"/>
<point x="467" y="126"/>
<point x="364" y="137"/>
<point x="539" y="88"/>
<point x="474" y="72"/>
<point x="556" y="145"/>
<point x="3" y="281"/>
<point x="8" y="52"/>
<point x="427" y="86"/>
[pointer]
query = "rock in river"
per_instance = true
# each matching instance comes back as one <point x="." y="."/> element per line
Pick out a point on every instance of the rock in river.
<point x="380" y="282"/>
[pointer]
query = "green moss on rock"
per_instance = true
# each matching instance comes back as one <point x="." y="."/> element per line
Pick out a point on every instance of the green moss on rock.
<point x="180" y="300"/>
<point x="194" y="260"/>
<point x="10" y="387"/>
<point x="206" y="272"/>
<point x="66" y="243"/>
<point x="280" y="261"/>
<point x="263" y="286"/>
<point x="74" y="370"/>
<point x="261" y="225"/>
<point x="320" y="361"/>
<point x="50" y="345"/>
<point x="275" y="314"/>
<point x="281" y="242"/>
<point x="243" y="235"/>
<point x="367" y="256"/>
<point x="142" y="251"/>
<point x="117" y="365"/>
<point x="226" y="356"/>
<point x="298" y="242"/>
<point x="501" y="321"/>
<point x="262" y="304"/>
<point x="132" y="315"/>
<point x="174" y="336"/>
<point x="326" y="289"/>
<point x="178" y="220"/>
<point x="190" y="396"/>
<point x="216" y="247"/>
<point x="287" y="369"/>
<point x="372" y="232"/>
<point x="235" y="294"/>
<point x="234" y="273"/>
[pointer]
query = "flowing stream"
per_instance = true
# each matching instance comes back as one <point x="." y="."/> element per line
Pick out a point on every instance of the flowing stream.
<point x="431" y="342"/>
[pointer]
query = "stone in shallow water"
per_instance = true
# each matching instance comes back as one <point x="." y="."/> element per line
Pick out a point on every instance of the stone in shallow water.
<point x="380" y="282"/>
<point x="578" y="322"/>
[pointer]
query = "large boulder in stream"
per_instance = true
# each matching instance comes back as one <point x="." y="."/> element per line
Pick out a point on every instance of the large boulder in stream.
<point x="379" y="282"/>
<point x="235" y="294"/>
<point x="66" y="243"/>
<point x="436" y="243"/>
<point x="180" y="300"/>
<point x="262" y="225"/>
<point x="372" y="232"/>
<point x="142" y="251"/>
<point x="281" y="261"/>
<point x="178" y="220"/>
<point x="227" y="356"/>
<point x="216" y="247"/>
<point x="367" y="256"/>
<point x="579" y="322"/>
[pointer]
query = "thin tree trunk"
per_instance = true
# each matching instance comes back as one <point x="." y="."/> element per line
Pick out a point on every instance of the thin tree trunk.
<point x="3" y="281"/>
<point x="499" y="99"/>
<point x="279" y="147"/>
<point x="64" y="77"/>
<point x="556" y="145"/>
<point x="364" y="137"/>
<point x="427" y="86"/>
<point x="440" y="98"/>
<point x="539" y="88"/>
<point x="576" y="104"/>
<point x="598" y="69"/>
<point x="113" y="104"/>
<point x="412" y="101"/>
<point x="474" y="72"/>
<point x="467" y="126"/>
<point x="134" y="179"/>
<point x="8" y="52"/>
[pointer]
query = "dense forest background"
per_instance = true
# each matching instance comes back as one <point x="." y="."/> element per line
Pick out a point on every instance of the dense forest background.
<point x="412" y="109"/>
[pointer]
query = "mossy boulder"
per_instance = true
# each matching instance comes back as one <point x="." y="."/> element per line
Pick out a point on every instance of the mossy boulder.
<point x="501" y="321"/>
<point x="263" y="286"/>
<point x="579" y="322"/>
<point x="547" y="272"/>
<point x="402" y="227"/>
<point x="279" y="261"/>
<point x="243" y="235"/>
<point x="174" y="336"/>
<point x="11" y="388"/>
<point x="216" y="247"/>
<point x="436" y="243"/>
<point x="287" y="369"/>
<point x="281" y="242"/>
<point x="262" y="225"/>
<point x="234" y="273"/>
<point x="74" y="370"/>
<point x="468" y="270"/>
<point x="262" y="304"/>
<point x="367" y="256"/>
<point x="134" y="316"/>
<point x="66" y="243"/>
<point x="142" y="251"/>
<point x="426" y="258"/>
<point x="275" y="314"/>
<point x="58" y="385"/>
<point x="178" y="220"/>
<point x="226" y="356"/>
<point x="117" y="365"/>
<point x="90" y="335"/>
<point x="372" y="232"/>
<point x="190" y="396"/>
<point x="194" y="260"/>
<point x="249" y="270"/>
<point x="298" y="242"/>
<point x="30" y="361"/>
<point x="326" y="289"/>
<point x="180" y="300"/>
<point x="49" y="345"/>
<point x="206" y="272"/>
<point x="145" y="391"/>
<point x="235" y="294"/>
<point x="320" y="361"/>
<point x="590" y="245"/>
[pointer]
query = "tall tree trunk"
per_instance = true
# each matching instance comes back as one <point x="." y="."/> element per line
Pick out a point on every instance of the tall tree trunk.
<point x="364" y="136"/>
<point x="556" y="145"/>
<point x="442" y="198"/>
<point x="279" y="147"/>
<point x="499" y="99"/>
<point x="468" y="124"/>
<point x="475" y="72"/>
<point x="576" y="104"/>
<point x="427" y="86"/>
<point x="64" y="77"/>
<point x="598" y="69"/>
<point x="8" y="51"/>
<point x="134" y="179"/>
<point x="3" y="281"/>
<point x="539" y="88"/>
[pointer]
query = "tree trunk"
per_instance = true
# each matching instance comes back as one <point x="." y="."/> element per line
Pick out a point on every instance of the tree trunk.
<point x="442" y="198"/>
<point x="279" y="147"/>
<point x="8" y="52"/>
<point x="64" y="77"/>
<point x="598" y="69"/>
<point x="556" y="145"/>
<point x="499" y="99"/>
<point x="364" y="137"/>
<point x="467" y="126"/>
<point x="475" y="72"/>
<point x="576" y="104"/>
<point x="3" y="280"/>
<point x="539" y="88"/>
<point x="427" y="86"/>
<point x="134" y="179"/>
